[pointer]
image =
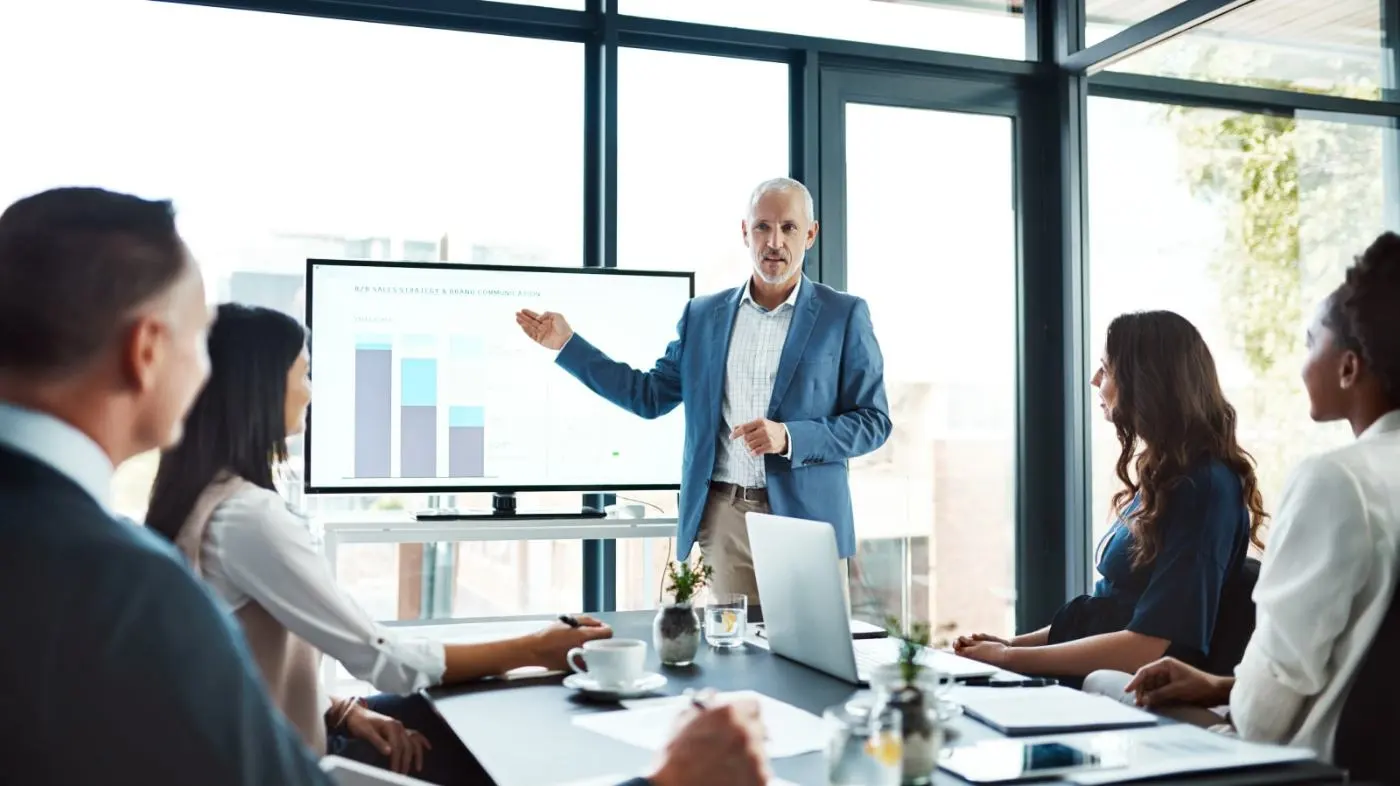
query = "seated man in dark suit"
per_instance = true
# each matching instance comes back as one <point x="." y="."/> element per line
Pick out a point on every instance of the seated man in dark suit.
<point x="117" y="667"/>
<point x="116" y="664"/>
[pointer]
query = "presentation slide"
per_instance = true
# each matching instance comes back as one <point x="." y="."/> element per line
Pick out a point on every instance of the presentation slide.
<point x="422" y="378"/>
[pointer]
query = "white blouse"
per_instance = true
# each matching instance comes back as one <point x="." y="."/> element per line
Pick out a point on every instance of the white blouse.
<point x="257" y="549"/>
<point x="1329" y="573"/>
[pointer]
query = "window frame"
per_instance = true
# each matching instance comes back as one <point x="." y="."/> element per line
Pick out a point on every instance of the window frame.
<point x="1050" y="88"/>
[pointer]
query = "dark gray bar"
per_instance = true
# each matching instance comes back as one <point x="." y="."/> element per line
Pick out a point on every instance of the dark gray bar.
<point x="373" y="412"/>
<point x="466" y="452"/>
<point x="418" y="442"/>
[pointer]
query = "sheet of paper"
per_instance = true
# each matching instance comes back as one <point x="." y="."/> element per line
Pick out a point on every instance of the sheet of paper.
<point x="1171" y="750"/>
<point x="648" y="723"/>
<point x="1046" y="710"/>
<point x="613" y="780"/>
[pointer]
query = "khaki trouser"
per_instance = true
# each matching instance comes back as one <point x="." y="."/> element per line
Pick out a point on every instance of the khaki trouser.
<point x="724" y="542"/>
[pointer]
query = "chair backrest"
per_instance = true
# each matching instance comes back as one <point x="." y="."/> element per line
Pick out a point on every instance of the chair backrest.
<point x="1366" y="731"/>
<point x="1234" y="620"/>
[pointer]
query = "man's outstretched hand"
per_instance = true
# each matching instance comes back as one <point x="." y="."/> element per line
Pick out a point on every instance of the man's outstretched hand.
<point x="549" y="330"/>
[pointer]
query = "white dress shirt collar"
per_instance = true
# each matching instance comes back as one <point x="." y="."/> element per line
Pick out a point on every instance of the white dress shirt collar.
<point x="64" y="448"/>
<point x="791" y="298"/>
<point x="1386" y="423"/>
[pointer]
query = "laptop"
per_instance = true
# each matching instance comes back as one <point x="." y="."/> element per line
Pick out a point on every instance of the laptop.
<point x="804" y="606"/>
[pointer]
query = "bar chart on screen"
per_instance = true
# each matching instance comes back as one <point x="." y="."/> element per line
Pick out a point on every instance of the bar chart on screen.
<point x="423" y="379"/>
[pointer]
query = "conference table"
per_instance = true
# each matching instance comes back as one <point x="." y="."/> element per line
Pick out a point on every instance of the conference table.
<point x="521" y="730"/>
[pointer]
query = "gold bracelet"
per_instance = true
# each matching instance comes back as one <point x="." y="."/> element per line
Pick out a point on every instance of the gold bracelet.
<point x="347" y="708"/>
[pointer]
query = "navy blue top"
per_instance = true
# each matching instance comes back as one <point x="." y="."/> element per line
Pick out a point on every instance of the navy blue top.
<point x="117" y="665"/>
<point x="1205" y="536"/>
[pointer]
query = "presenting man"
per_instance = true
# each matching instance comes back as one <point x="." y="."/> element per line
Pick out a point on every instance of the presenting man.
<point x="782" y="382"/>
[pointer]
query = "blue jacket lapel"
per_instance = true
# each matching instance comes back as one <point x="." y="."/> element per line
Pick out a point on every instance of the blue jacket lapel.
<point x="720" y="333"/>
<point x="804" y="318"/>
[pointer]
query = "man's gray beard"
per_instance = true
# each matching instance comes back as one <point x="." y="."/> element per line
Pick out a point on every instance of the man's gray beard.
<point x="776" y="281"/>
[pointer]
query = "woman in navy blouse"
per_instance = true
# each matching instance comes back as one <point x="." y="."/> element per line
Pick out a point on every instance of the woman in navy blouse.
<point x="1187" y="512"/>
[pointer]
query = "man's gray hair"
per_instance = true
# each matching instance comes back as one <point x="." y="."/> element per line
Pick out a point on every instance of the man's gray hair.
<point x="783" y="184"/>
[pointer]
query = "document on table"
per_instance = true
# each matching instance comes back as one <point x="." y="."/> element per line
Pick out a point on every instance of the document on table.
<point x="614" y="780"/>
<point x="648" y="723"/>
<point x="1020" y="712"/>
<point x="1172" y="749"/>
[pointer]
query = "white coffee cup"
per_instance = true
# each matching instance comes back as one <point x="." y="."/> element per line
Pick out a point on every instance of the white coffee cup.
<point x="610" y="662"/>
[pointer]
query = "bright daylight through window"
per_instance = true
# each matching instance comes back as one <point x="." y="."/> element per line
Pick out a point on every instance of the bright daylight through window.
<point x="1242" y="223"/>
<point x="342" y="140"/>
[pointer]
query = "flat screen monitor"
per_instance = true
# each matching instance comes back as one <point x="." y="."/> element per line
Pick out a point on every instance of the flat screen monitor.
<point x="423" y="381"/>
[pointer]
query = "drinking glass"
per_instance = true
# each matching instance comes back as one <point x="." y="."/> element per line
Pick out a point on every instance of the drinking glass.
<point x="726" y="619"/>
<point x="864" y="745"/>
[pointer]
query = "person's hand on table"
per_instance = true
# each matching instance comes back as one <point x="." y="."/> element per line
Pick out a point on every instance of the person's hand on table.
<point x="716" y="744"/>
<point x="550" y="646"/>
<point x="1169" y="681"/>
<point x="403" y="746"/>
<point x="964" y="642"/>
<point x="982" y="647"/>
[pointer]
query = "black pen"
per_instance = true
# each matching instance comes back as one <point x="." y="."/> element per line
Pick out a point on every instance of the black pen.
<point x="568" y="619"/>
<point x="1028" y="682"/>
<point x="696" y="699"/>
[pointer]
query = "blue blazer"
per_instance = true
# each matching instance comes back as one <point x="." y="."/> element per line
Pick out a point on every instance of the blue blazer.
<point x="829" y="392"/>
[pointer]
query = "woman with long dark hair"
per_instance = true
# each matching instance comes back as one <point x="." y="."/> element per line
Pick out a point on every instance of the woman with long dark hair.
<point x="1329" y="579"/>
<point x="1186" y="513"/>
<point x="214" y="497"/>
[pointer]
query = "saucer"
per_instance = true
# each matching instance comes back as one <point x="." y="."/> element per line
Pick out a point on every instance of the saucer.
<point x="647" y="683"/>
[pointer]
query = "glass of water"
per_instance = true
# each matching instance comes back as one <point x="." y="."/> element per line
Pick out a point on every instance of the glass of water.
<point x="865" y="744"/>
<point x="726" y="619"/>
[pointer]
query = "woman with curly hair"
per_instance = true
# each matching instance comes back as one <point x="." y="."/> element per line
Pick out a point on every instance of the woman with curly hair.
<point x="1328" y="581"/>
<point x="1187" y="512"/>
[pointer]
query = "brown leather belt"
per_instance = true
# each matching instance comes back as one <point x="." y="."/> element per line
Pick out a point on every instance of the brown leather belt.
<point x="746" y="493"/>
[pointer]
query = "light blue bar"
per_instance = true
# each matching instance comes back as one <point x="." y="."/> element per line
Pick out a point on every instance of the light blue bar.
<point x="466" y="347"/>
<point x="458" y="417"/>
<point x="418" y="382"/>
<point x="374" y="342"/>
<point x="420" y="346"/>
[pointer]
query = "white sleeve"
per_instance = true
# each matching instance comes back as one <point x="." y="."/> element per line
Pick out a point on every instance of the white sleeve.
<point x="1316" y="561"/>
<point x="267" y="552"/>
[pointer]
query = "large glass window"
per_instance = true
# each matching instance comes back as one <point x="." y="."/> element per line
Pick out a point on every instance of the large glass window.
<point x="339" y="139"/>
<point x="1241" y="223"/>
<point x="1314" y="46"/>
<point x="695" y="134"/>
<point x="1104" y="18"/>
<point x="931" y="243"/>
<point x="981" y="27"/>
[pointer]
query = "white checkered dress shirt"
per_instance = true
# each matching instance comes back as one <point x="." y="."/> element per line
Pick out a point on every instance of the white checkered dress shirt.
<point x="755" y="348"/>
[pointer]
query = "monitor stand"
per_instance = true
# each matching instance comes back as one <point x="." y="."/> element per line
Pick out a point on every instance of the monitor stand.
<point x="502" y="509"/>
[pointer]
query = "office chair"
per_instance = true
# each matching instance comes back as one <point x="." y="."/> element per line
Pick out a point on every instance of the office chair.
<point x="1366" y="732"/>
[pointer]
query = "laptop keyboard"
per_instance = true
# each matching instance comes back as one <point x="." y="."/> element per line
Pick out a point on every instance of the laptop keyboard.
<point x="874" y="653"/>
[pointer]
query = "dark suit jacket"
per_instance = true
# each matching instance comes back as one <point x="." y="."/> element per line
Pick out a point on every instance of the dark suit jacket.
<point x="116" y="664"/>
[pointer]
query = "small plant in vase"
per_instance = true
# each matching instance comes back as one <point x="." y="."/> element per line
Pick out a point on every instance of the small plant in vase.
<point x="912" y="688"/>
<point x="676" y="630"/>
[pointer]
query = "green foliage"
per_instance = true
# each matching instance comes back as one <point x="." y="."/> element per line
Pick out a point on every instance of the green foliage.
<point x="911" y="643"/>
<point x="1246" y="165"/>
<point x="1298" y="197"/>
<point x="388" y="503"/>
<point x="685" y="581"/>
<point x="1290" y="192"/>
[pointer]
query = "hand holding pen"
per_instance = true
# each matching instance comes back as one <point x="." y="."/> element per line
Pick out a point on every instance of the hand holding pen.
<point x="550" y="646"/>
<point x="715" y="743"/>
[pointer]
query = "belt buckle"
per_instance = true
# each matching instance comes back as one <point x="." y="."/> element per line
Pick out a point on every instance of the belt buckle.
<point x="744" y="493"/>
